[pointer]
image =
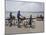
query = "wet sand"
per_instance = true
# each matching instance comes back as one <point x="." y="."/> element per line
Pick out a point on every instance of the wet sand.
<point x="38" y="26"/>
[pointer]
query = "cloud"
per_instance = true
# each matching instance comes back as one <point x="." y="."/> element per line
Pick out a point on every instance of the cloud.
<point x="11" y="5"/>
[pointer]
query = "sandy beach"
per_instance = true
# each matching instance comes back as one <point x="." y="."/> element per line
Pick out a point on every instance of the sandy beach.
<point x="38" y="26"/>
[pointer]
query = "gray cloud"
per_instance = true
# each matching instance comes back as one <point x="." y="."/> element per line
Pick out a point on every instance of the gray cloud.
<point x="12" y="5"/>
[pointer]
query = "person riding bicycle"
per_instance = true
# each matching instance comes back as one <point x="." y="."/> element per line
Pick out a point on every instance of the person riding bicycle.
<point x="18" y="16"/>
<point x="10" y="21"/>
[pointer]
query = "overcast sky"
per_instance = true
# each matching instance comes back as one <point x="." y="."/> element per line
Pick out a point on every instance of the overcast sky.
<point x="12" y="5"/>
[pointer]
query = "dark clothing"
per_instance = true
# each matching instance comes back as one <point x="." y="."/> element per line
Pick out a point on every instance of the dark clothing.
<point x="10" y="15"/>
<point x="18" y="16"/>
<point x="10" y="21"/>
<point x="30" y="22"/>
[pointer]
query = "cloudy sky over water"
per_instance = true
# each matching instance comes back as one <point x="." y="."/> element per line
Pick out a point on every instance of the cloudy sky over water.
<point x="26" y="7"/>
<point x="12" y="5"/>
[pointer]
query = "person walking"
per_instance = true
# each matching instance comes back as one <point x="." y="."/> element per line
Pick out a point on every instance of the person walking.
<point x="30" y="21"/>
